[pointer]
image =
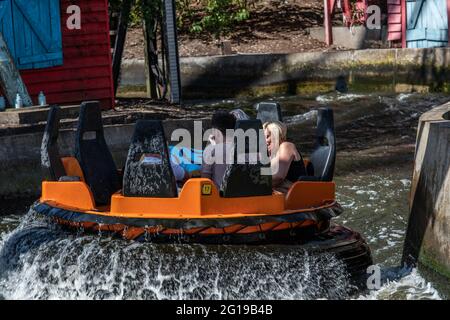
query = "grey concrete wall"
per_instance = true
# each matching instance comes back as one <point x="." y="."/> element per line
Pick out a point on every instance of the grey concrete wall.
<point x="428" y="235"/>
<point x="392" y="70"/>
<point x="355" y="38"/>
<point x="20" y="168"/>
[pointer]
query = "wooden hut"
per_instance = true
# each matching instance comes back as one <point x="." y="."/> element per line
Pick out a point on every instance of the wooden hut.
<point x="419" y="23"/>
<point x="68" y="64"/>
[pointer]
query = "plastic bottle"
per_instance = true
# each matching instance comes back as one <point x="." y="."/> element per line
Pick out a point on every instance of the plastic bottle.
<point x="19" y="102"/>
<point x="42" y="99"/>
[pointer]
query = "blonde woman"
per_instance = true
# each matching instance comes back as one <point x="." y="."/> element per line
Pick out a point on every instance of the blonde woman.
<point x="286" y="162"/>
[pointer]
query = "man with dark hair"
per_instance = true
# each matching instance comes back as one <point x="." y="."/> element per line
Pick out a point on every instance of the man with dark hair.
<point x="221" y="121"/>
<point x="219" y="153"/>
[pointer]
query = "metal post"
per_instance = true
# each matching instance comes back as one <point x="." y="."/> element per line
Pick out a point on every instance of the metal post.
<point x="120" y="40"/>
<point x="150" y="47"/>
<point x="173" y="60"/>
<point x="404" y="24"/>
<point x="327" y="22"/>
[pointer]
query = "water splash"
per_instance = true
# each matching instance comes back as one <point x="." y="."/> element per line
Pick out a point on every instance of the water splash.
<point x="38" y="261"/>
<point x="410" y="287"/>
<point x="403" y="97"/>
<point x="301" y="118"/>
<point x="342" y="97"/>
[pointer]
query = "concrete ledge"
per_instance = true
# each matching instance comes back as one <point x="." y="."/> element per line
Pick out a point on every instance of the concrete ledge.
<point x="33" y="115"/>
<point x="355" y="38"/>
<point x="428" y="235"/>
<point x="382" y="70"/>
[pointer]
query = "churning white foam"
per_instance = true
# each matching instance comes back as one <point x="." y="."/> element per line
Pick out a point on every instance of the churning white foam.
<point x="410" y="287"/>
<point x="39" y="262"/>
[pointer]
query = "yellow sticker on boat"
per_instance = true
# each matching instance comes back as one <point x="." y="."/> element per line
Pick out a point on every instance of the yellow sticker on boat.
<point x="206" y="189"/>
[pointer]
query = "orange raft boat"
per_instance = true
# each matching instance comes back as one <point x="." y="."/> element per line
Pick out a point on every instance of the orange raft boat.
<point x="143" y="203"/>
<point x="198" y="214"/>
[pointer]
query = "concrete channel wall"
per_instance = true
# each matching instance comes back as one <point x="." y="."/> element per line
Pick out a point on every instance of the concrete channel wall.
<point x="20" y="166"/>
<point x="428" y="235"/>
<point x="382" y="70"/>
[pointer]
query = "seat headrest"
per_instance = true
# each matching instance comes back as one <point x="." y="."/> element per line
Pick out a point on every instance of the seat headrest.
<point x="323" y="158"/>
<point x="93" y="154"/>
<point x="148" y="172"/>
<point x="90" y="117"/>
<point x="253" y="128"/>
<point x="51" y="164"/>
<point x="244" y="177"/>
<point x="255" y="124"/>
<point x="269" y="111"/>
<point x="325" y="122"/>
<point x="53" y="121"/>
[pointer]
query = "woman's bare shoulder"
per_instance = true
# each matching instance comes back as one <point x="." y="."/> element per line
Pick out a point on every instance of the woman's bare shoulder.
<point x="288" y="146"/>
<point x="289" y="149"/>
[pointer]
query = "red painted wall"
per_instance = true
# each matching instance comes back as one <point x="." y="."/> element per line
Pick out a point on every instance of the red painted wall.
<point x="87" y="72"/>
<point x="394" y="20"/>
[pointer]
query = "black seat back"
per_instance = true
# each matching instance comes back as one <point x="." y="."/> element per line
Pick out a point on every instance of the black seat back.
<point x="93" y="154"/>
<point x="323" y="158"/>
<point x="268" y="112"/>
<point x="244" y="178"/>
<point x="51" y="164"/>
<point x="148" y="172"/>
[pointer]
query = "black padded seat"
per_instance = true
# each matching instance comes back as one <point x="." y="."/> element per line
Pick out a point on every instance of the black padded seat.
<point x="268" y="112"/>
<point x="323" y="158"/>
<point x="244" y="179"/>
<point x="51" y="164"/>
<point x="148" y="172"/>
<point x="93" y="154"/>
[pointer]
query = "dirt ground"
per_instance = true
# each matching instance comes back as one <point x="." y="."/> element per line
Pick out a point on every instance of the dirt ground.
<point x="275" y="26"/>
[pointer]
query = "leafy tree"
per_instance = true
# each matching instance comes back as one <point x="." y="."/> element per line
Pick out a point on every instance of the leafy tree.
<point x="220" y="15"/>
<point x="213" y="17"/>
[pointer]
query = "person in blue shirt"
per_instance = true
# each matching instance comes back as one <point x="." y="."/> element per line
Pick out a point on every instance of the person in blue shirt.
<point x="185" y="162"/>
<point x="188" y="163"/>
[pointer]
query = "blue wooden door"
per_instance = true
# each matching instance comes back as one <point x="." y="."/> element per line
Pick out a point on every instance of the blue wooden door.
<point x="6" y="24"/>
<point x="32" y="30"/>
<point x="427" y="23"/>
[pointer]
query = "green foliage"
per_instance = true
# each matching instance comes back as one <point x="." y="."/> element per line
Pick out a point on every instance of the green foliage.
<point x="219" y="16"/>
<point x="149" y="8"/>
<point x="212" y="17"/>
